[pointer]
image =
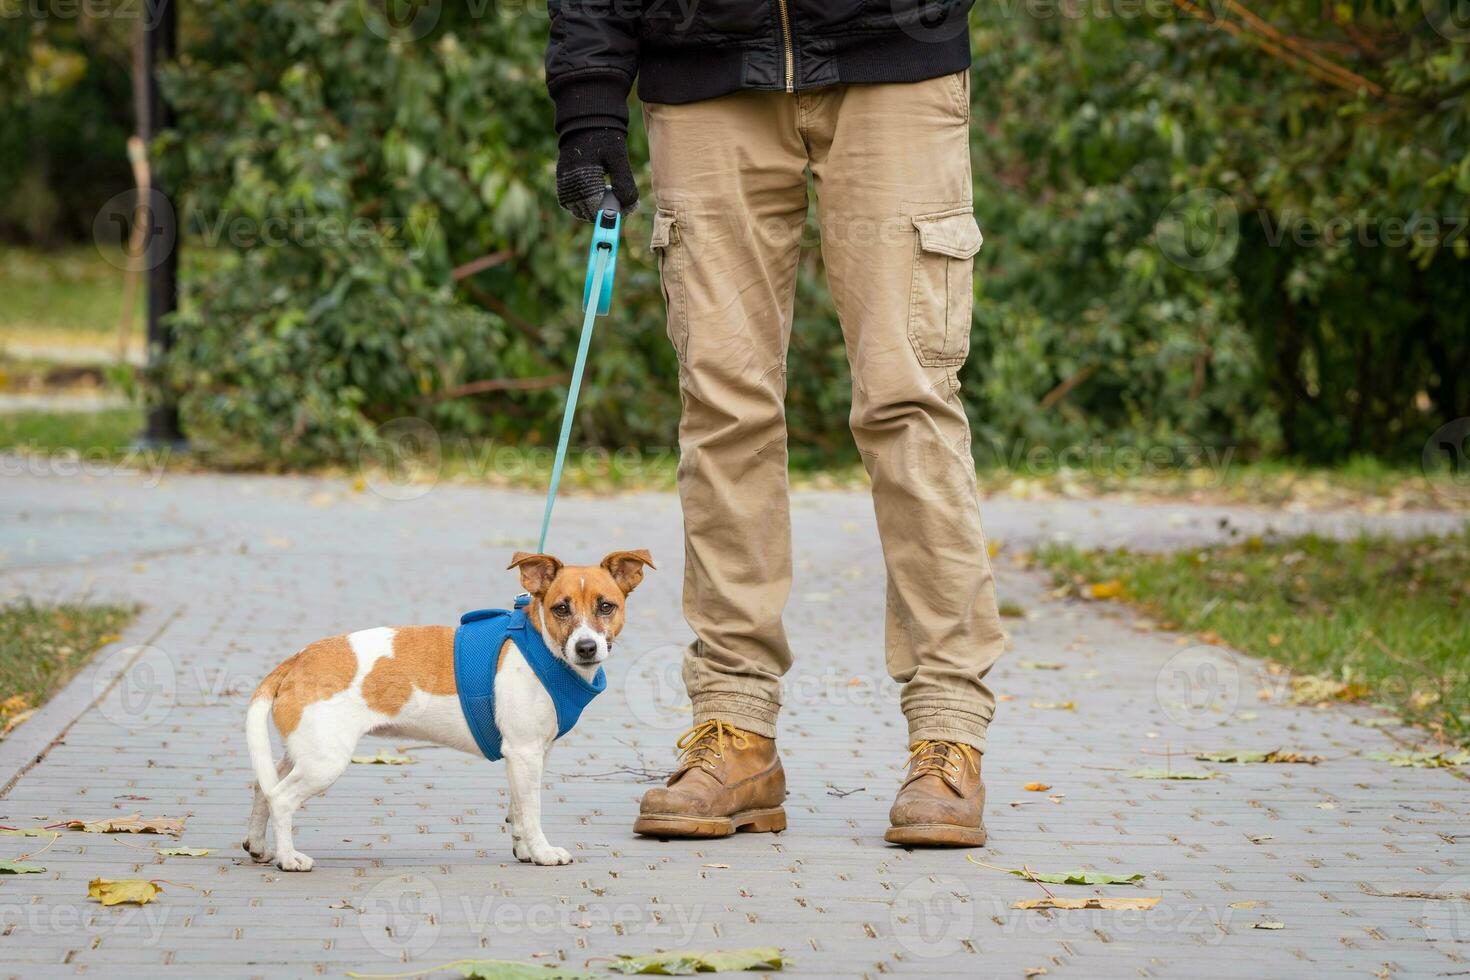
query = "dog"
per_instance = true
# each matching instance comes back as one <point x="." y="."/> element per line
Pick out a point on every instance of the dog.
<point x="400" y="682"/>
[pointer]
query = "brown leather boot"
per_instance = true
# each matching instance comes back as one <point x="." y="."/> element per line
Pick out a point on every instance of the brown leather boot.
<point x="728" y="780"/>
<point x="942" y="800"/>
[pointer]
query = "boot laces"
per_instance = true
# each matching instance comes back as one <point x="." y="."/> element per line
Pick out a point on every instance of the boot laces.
<point x="704" y="744"/>
<point x="948" y="760"/>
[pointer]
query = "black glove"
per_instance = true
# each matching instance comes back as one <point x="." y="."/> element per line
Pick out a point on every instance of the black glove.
<point x="586" y="159"/>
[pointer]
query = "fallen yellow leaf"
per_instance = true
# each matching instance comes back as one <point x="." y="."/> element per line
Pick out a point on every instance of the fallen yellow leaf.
<point x="133" y="824"/>
<point x="382" y="759"/>
<point x="1055" y="705"/>
<point x="1037" y="787"/>
<point x="1087" y="903"/>
<point x="110" y="892"/>
<point x="1110" y="589"/>
<point x="14" y="720"/>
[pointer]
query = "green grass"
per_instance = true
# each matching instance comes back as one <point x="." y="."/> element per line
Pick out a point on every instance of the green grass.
<point x="97" y="435"/>
<point x="67" y="296"/>
<point x="1390" y="618"/>
<point x="41" y="647"/>
<point x="1274" y="483"/>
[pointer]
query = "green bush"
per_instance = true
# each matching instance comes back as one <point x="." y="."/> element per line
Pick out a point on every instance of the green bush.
<point x="1106" y="142"/>
<point x="340" y="178"/>
<point x="1116" y="143"/>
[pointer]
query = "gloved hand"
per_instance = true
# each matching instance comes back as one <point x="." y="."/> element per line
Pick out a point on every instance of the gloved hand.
<point x="585" y="158"/>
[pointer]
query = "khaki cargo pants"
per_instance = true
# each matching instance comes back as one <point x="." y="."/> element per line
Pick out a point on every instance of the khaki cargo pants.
<point x="891" y="167"/>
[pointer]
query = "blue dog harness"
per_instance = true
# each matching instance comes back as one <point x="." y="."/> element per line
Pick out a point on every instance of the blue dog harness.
<point x="477" y="645"/>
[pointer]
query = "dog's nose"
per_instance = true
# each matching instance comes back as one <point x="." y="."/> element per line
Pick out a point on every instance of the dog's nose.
<point x="586" y="649"/>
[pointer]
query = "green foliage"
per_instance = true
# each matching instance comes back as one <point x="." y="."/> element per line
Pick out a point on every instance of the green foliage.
<point x="344" y="177"/>
<point x="1212" y="238"/>
<point x="1192" y="238"/>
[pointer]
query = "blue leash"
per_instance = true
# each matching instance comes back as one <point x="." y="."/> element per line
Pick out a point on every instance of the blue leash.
<point x="602" y="264"/>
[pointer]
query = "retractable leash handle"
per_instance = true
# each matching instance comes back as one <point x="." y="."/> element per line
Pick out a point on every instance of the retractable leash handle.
<point x="605" y="229"/>
<point x="602" y="261"/>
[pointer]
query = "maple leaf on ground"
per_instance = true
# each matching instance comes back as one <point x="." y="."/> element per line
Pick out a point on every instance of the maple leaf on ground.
<point x="110" y="892"/>
<point x="133" y="824"/>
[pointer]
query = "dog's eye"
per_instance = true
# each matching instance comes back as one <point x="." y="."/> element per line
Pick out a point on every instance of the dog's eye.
<point x="605" y="608"/>
<point x="562" y="609"/>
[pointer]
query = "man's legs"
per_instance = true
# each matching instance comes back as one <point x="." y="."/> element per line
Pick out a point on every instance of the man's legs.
<point x="730" y="185"/>
<point x="892" y="167"/>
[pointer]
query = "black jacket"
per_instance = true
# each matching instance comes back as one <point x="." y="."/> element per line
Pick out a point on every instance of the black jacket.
<point x="687" y="50"/>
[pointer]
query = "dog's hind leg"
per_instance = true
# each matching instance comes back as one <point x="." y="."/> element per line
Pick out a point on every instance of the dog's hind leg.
<point x="260" y="811"/>
<point x="309" y="776"/>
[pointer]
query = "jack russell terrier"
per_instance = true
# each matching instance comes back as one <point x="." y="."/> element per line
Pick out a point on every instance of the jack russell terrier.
<point x="504" y="684"/>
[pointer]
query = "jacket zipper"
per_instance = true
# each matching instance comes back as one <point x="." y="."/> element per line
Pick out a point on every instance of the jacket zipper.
<point x="786" y="42"/>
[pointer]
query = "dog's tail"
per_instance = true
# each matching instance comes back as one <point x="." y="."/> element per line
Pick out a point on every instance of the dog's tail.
<point x="257" y="729"/>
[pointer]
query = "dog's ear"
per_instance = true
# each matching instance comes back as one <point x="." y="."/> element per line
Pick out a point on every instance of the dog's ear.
<point x="537" y="571"/>
<point x="626" y="567"/>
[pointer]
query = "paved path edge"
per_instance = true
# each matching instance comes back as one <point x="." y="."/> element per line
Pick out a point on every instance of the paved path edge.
<point x="31" y="740"/>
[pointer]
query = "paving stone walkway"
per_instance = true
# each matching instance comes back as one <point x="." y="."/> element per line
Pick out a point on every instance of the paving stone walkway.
<point x="413" y="862"/>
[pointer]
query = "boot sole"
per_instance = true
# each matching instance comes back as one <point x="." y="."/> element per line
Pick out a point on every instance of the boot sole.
<point x="935" y="835"/>
<point x="769" y="821"/>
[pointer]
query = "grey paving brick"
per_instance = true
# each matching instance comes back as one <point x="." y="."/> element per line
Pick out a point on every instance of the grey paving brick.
<point x="414" y="866"/>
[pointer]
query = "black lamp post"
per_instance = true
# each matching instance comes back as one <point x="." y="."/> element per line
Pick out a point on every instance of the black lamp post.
<point x="163" y="243"/>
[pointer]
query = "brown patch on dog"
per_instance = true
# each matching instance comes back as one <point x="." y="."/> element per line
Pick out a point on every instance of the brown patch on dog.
<point x="423" y="658"/>
<point x="321" y="670"/>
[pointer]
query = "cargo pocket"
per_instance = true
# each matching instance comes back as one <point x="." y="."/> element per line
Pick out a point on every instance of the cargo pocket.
<point x="665" y="245"/>
<point x="942" y="295"/>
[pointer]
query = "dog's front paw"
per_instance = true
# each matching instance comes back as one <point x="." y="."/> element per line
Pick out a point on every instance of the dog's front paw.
<point x="294" y="861"/>
<point x="549" y="855"/>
